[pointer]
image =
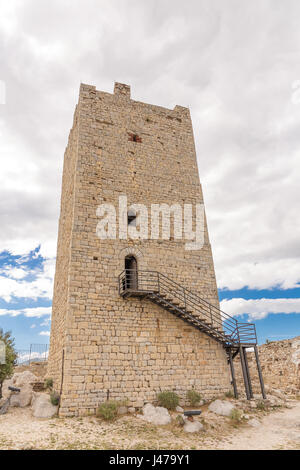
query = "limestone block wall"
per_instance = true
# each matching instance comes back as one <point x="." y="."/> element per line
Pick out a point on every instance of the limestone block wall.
<point x="127" y="348"/>
<point x="280" y="363"/>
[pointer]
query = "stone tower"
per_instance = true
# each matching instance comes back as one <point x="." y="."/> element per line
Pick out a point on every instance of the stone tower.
<point x="103" y="345"/>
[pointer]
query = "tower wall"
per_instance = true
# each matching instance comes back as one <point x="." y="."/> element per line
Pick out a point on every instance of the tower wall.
<point x="127" y="349"/>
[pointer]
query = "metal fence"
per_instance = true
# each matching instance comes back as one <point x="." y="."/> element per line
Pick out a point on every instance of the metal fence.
<point x="35" y="353"/>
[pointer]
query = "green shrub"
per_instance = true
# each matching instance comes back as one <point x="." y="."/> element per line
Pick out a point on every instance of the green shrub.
<point x="236" y="415"/>
<point x="261" y="405"/>
<point x="180" y="421"/>
<point x="193" y="397"/>
<point x="48" y="384"/>
<point x="54" y="398"/>
<point x="229" y="394"/>
<point x="168" y="400"/>
<point x="108" y="410"/>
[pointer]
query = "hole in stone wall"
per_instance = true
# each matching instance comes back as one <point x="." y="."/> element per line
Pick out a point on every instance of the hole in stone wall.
<point x="134" y="137"/>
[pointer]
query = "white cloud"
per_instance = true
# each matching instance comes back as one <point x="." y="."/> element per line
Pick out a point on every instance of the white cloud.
<point x="259" y="308"/>
<point x="40" y="287"/>
<point x="26" y="356"/>
<point x="44" y="333"/>
<point x="27" y="312"/>
<point x="234" y="63"/>
<point x="264" y="274"/>
<point x="14" y="273"/>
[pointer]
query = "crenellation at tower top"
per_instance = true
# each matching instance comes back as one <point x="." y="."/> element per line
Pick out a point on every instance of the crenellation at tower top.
<point x="122" y="89"/>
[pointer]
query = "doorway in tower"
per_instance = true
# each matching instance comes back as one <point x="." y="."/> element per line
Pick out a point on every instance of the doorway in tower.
<point x="131" y="272"/>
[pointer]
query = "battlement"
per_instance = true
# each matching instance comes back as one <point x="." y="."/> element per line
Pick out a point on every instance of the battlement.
<point x="122" y="89"/>
<point x="123" y="92"/>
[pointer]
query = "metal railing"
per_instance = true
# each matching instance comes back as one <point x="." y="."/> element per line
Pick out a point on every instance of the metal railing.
<point x="154" y="282"/>
<point x="35" y="353"/>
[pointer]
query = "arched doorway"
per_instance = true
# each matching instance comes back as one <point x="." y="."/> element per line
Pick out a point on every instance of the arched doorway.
<point x="131" y="269"/>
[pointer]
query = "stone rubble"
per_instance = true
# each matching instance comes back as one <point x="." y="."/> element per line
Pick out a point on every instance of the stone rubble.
<point x="40" y="402"/>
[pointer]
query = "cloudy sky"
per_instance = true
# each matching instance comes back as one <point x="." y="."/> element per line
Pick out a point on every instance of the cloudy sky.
<point x="235" y="63"/>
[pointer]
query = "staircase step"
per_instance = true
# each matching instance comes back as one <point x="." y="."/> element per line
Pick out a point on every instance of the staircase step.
<point x="178" y="308"/>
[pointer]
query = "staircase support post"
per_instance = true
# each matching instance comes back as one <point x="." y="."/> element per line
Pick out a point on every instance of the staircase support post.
<point x="236" y="395"/>
<point x="261" y="380"/>
<point x="248" y="373"/>
<point x="244" y="373"/>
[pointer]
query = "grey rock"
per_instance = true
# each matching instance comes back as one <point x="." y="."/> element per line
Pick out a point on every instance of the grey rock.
<point x="42" y="407"/>
<point x="192" y="426"/>
<point x="23" y="398"/>
<point x="223" y="408"/>
<point x="156" y="415"/>
<point x="24" y="378"/>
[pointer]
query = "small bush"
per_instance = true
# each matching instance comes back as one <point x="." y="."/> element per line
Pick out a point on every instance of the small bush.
<point x="48" y="384"/>
<point x="108" y="410"/>
<point x="229" y="394"/>
<point x="261" y="406"/>
<point x="236" y="415"/>
<point x="180" y="421"/>
<point x="168" y="400"/>
<point x="193" y="397"/>
<point x="54" y="398"/>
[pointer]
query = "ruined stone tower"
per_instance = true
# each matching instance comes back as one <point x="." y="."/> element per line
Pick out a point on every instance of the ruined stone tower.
<point x="104" y="344"/>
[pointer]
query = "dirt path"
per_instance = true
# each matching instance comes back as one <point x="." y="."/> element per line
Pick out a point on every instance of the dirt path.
<point x="279" y="430"/>
<point x="19" y="430"/>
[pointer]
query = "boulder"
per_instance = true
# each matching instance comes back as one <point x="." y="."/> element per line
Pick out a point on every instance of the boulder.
<point x="131" y="409"/>
<point x="192" y="426"/>
<point x="156" y="414"/>
<point x="23" y="398"/>
<point x="24" y="378"/>
<point x="223" y="408"/>
<point x="42" y="407"/>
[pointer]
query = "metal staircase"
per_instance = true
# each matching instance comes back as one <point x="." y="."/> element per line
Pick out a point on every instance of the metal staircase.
<point x="234" y="336"/>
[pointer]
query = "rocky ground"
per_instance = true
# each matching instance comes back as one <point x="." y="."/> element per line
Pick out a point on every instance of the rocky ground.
<point x="224" y="423"/>
<point x="274" y="428"/>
